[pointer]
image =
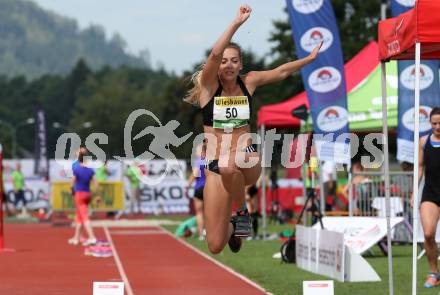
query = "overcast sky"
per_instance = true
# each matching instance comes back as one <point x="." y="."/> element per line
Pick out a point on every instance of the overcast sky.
<point x="176" y="33"/>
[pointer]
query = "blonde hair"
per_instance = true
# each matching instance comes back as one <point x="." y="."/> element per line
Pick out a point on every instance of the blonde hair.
<point x="193" y="95"/>
<point x="235" y="46"/>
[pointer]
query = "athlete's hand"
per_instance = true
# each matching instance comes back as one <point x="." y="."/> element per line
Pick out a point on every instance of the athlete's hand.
<point x="411" y="200"/>
<point x="312" y="56"/>
<point x="243" y="14"/>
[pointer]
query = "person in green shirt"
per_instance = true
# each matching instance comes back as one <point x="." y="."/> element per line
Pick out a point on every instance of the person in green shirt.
<point x="18" y="186"/>
<point x="102" y="173"/>
<point x="134" y="175"/>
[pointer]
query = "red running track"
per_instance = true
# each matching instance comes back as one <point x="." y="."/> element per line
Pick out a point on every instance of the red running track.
<point x="148" y="259"/>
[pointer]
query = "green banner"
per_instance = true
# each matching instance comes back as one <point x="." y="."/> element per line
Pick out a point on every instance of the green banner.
<point x="365" y="101"/>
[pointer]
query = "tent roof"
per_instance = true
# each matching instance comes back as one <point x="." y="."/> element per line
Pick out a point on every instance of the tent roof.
<point x="397" y="36"/>
<point x="279" y="115"/>
<point x="356" y="70"/>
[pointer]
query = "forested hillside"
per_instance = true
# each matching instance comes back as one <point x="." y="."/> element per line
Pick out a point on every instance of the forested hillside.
<point x="34" y="42"/>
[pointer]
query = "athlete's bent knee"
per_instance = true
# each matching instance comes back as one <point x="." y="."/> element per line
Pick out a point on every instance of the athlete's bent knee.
<point x="215" y="247"/>
<point x="430" y="237"/>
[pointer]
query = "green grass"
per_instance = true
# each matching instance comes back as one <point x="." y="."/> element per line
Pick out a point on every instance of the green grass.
<point x="171" y="217"/>
<point x="255" y="262"/>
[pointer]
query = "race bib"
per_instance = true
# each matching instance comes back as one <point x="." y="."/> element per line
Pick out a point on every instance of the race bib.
<point x="231" y="111"/>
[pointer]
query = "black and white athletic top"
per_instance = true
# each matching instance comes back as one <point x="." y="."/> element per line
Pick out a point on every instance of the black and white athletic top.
<point x="228" y="111"/>
<point x="431" y="160"/>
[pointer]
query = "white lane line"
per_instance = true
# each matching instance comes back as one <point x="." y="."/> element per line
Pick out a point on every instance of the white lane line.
<point x="118" y="263"/>
<point x="138" y="232"/>
<point x="230" y="270"/>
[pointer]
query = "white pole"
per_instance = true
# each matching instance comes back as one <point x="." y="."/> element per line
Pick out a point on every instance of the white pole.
<point x="386" y="165"/>
<point x="386" y="170"/>
<point x="263" y="182"/>
<point x="304" y="178"/>
<point x="321" y="190"/>
<point x="350" y="191"/>
<point x="416" y="168"/>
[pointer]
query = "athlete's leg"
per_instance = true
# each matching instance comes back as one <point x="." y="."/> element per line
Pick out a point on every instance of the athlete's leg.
<point x="234" y="183"/>
<point x="429" y="213"/>
<point x="21" y="197"/>
<point x="234" y="180"/>
<point x="198" y="206"/>
<point x="138" y="200"/>
<point x="77" y="235"/>
<point x="134" y="200"/>
<point x="252" y="174"/>
<point x="78" y="220"/>
<point x="255" y="203"/>
<point x="217" y="212"/>
<point x="84" y="202"/>
<point x="232" y="176"/>
<point x="249" y="203"/>
<point x="255" y="215"/>
<point x="89" y="230"/>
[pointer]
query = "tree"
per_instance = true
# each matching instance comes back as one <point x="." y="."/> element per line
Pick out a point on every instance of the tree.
<point x="108" y="98"/>
<point x="357" y="22"/>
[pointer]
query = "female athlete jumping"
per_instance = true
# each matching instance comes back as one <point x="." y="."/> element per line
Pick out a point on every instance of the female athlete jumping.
<point x="225" y="98"/>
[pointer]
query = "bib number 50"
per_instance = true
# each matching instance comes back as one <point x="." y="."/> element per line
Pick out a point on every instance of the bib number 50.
<point x="231" y="113"/>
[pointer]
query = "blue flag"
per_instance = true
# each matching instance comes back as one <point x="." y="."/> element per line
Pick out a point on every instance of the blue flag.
<point x="313" y="21"/>
<point x="41" y="161"/>
<point x="429" y="94"/>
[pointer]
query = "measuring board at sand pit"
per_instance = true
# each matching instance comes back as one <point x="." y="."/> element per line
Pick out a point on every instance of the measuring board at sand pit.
<point x="360" y="233"/>
<point x="324" y="252"/>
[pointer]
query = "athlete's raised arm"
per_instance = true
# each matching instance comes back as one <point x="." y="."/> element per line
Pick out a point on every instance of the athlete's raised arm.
<point x="209" y="78"/>
<point x="257" y="78"/>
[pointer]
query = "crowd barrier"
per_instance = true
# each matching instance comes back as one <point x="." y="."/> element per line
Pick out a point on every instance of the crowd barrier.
<point x="368" y="199"/>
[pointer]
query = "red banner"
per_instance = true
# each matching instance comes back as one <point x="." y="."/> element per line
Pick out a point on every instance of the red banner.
<point x="397" y="36"/>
